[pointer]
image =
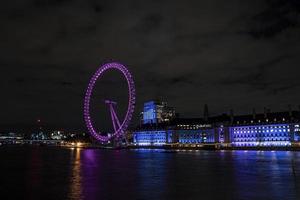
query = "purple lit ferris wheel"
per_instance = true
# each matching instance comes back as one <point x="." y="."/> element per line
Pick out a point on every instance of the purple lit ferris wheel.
<point x="119" y="127"/>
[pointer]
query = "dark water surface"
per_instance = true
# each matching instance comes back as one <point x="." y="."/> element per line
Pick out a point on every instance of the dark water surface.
<point x="61" y="173"/>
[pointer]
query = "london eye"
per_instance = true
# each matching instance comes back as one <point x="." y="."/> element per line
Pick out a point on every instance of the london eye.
<point x="119" y="126"/>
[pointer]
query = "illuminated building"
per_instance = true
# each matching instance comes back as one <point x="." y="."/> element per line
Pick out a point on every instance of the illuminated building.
<point x="11" y="136"/>
<point x="281" y="129"/>
<point x="195" y="136"/>
<point x="157" y="112"/>
<point x="177" y="131"/>
<point x="153" y="137"/>
<point x="39" y="136"/>
<point x="150" y="113"/>
<point x="167" y="113"/>
<point x="267" y="129"/>
<point x="58" y="135"/>
<point x="193" y="131"/>
<point x="262" y="135"/>
<point x="296" y="136"/>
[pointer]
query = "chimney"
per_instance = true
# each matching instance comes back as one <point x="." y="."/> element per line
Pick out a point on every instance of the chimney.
<point x="265" y="112"/>
<point x="205" y="114"/>
<point x="231" y="116"/>
<point x="290" y="110"/>
<point x="254" y="113"/>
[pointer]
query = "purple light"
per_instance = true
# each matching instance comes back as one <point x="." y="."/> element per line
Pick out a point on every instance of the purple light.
<point x="131" y="101"/>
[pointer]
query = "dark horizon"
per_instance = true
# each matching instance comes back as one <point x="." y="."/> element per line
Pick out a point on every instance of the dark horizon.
<point x="35" y="126"/>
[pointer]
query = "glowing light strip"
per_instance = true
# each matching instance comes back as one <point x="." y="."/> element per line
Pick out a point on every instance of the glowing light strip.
<point x="131" y="101"/>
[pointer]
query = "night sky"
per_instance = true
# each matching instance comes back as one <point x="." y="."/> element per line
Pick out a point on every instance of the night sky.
<point x="228" y="54"/>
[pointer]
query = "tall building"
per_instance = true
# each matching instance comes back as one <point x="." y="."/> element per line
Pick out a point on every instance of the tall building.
<point x="156" y="112"/>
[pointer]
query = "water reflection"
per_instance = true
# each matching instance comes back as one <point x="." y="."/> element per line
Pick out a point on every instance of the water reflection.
<point x="91" y="166"/>
<point x="152" y="173"/>
<point x="264" y="171"/>
<point x="75" y="178"/>
<point x="55" y="173"/>
<point x="34" y="174"/>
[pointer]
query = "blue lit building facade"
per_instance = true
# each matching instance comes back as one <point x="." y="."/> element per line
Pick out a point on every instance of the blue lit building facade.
<point x="259" y="135"/>
<point x="153" y="137"/>
<point x="196" y="136"/>
<point x="173" y="136"/>
<point x="280" y="129"/>
<point x="296" y="135"/>
<point x="266" y="130"/>
<point x="193" y="131"/>
<point x="180" y="132"/>
<point x="156" y="112"/>
<point x="150" y="113"/>
<point x="262" y="135"/>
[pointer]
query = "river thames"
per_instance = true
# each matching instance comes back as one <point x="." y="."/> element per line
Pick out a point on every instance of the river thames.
<point x="65" y="173"/>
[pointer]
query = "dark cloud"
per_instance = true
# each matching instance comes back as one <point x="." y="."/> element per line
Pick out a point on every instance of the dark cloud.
<point x="278" y="17"/>
<point x="66" y="83"/>
<point x="232" y="54"/>
<point x="257" y="77"/>
<point x="149" y="23"/>
<point x="47" y="3"/>
<point x="181" y="79"/>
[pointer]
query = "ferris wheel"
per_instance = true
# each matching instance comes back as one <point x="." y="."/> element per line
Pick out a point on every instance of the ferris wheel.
<point x="119" y="127"/>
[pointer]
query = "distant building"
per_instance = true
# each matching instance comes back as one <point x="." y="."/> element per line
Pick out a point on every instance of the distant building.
<point x="58" y="135"/>
<point x="39" y="136"/>
<point x="11" y="136"/>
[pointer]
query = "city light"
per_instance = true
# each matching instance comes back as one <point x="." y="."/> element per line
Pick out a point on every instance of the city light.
<point x="259" y="133"/>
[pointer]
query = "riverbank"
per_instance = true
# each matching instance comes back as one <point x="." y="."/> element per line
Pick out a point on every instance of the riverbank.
<point x="217" y="148"/>
<point x="163" y="147"/>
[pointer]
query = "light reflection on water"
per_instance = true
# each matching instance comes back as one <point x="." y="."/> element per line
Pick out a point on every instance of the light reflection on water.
<point x="55" y="173"/>
<point x="76" y="177"/>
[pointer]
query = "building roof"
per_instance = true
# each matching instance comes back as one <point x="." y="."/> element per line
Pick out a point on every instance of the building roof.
<point x="261" y="118"/>
<point x="274" y="117"/>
